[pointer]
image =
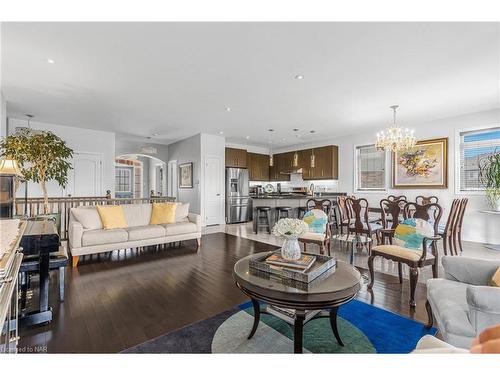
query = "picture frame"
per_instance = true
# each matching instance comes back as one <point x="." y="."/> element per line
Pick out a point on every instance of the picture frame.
<point x="424" y="166"/>
<point x="186" y="175"/>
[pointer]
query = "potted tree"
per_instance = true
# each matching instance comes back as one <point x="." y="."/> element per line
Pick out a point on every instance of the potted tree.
<point x="490" y="178"/>
<point x="42" y="157"/>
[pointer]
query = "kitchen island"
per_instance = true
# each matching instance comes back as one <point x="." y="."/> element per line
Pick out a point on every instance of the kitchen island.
<point x="291" y="200"/>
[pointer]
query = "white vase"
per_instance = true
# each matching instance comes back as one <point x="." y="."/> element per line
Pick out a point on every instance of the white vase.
<point x="290" y="248"/>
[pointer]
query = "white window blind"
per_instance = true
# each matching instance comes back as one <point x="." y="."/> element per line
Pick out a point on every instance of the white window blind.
<point x="474" y="146"/>
<point x="370" y="168"/>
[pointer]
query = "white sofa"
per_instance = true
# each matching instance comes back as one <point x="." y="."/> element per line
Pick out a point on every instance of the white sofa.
<point x="87" y="236"/>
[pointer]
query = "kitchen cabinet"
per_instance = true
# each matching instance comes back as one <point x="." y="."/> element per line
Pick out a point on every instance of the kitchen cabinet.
<point x="281" y="162"/>
<point x="236" y="158"/>
<point x="258" y="166"/>
<point x="326" y="164"/>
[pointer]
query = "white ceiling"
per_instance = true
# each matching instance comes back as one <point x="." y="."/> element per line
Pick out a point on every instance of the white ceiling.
<point x="177" y="79"/>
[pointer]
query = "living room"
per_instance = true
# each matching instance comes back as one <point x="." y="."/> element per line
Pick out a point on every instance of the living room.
<point x="250" y="187"/>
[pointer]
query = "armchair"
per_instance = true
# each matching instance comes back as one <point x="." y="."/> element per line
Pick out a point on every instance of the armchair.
<point x="462" y="303"/>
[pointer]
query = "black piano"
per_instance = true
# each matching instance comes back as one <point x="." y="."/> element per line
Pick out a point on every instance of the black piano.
<point x="40" y="239"/>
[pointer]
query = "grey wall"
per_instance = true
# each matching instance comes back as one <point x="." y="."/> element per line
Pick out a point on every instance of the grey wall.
<point x="3" y="116"/>
<point x="189" y="150"/>
<point x="124" y="145"/>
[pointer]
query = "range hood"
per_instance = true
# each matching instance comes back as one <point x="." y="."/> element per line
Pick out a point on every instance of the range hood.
<point x="292" y="171"/>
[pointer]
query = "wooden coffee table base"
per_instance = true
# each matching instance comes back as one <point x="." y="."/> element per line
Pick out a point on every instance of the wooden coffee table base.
<point x="299" y="320"/>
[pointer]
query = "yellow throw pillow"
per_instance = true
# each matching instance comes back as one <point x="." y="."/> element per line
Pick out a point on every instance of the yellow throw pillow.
<point x="163" y="213"/>
<point x="112" y="217"/>
<point x="495" y="280"/>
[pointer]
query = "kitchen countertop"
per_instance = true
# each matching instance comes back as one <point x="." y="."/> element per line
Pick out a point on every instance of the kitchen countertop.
<point x="295" y="196"/>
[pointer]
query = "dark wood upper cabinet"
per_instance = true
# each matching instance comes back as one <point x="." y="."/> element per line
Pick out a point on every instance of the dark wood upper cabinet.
<point x="326" y="164"/>
<point x="258" y="166"/>
<point x="236" y="157"/>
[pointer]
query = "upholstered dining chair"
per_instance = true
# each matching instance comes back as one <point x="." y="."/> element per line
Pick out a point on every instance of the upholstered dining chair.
<point x="343" y="213"/>
<point x="451" y="232"/>
<point x="322" y="204"/>
<point x="359" y="230"/>
<point x="420" y="199"/>
<point x="391" y="215"/>
<point x="415" y="246"/>
<point x="319" y="230"/>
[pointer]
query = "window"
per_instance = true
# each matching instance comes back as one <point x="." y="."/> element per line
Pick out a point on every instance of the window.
<point x="370" y="168"/>
<point x="123" y="179"/>
<point x="474" y="146"/>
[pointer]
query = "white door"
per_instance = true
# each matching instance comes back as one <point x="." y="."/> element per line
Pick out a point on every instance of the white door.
<point x="85" y="179"/>
<point x="213" y="191"/>
<point x="172" y="179"/>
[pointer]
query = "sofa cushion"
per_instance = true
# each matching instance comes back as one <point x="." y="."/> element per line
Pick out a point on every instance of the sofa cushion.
<point x="449" y="302"/>
<point x="103" y="236"/>
<point x="112" y="217"/>
<point x="145" y="232"/>
<point x="137" y="214"/>
<point x="180" y="228"/>
<point x="163" y="213"/>
<point x="181" y="212"/>
<point x="87" y="216"/>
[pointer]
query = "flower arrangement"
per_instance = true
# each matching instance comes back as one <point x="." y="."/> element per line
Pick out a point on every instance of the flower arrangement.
<point x="290" y="228"/>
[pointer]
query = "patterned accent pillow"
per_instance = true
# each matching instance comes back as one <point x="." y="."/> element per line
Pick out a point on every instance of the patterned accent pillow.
<point x="316" y="220"/>
<point x="411" y="232"/>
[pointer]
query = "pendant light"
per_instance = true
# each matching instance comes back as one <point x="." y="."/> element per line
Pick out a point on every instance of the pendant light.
<point x="271" y="156"/>
<point x="295" y="162"/>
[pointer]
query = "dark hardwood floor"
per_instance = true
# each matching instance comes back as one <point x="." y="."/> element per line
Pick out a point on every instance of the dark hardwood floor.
<point x="120" y="299"/>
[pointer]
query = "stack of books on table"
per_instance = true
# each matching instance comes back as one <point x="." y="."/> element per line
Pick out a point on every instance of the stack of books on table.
<point x="302" y="265"/>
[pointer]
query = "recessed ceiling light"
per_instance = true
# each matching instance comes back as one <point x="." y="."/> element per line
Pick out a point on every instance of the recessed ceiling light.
<point x="270" y="130"/>
<point x="312" y="131"/>
<point x="283" y="139"/>
<point x="299" y="76"/>
<point x="247" y="137"/>
<point x="228" y="109"/>
<point x="295" y="130"/>
<point x="50" y="61"/>
<point x="221" y="132"/>
<point x="155" y="134"/>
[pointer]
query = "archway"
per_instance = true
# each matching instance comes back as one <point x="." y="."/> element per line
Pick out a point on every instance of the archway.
<point x="140" y="176"/>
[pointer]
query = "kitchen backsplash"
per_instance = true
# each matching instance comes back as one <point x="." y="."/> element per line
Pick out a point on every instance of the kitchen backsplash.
<point x="297" y="181"/>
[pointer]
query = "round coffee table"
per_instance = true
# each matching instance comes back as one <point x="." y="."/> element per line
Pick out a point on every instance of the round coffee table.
<point x="320" y="298"/>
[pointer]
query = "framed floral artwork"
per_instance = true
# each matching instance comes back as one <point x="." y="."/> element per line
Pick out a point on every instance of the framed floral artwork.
<point x="186" y="176"/>
<point x="423" y="166"/>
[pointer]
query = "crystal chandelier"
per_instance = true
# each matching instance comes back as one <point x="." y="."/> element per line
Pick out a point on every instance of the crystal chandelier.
<point x="395" y="138"/>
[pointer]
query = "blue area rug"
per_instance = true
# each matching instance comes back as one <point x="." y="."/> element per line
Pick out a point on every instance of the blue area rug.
<point x="364" y="328"/>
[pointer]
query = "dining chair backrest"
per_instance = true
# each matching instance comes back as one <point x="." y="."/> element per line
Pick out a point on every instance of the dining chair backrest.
<point x="391" y="211"/>
<point x="343" y="207"/>
<point x="397" y="197"/>
<point x="358" y="210"/>
<point x="461" y="213"/>
<point x="320" y="204"/>
<point x="431" y="212"/>
<point x="453" y="217"/>
<point x="317" y="220"/>
<point x="420" y="199"/>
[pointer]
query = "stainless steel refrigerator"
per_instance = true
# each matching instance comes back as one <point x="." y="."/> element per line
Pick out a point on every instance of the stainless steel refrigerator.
<point x="238" y="202"/>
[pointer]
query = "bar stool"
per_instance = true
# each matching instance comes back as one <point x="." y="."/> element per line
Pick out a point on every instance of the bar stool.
<point x="262" y="220"/>
<point x="281" y="212"/>
<point x="302" y="212"/>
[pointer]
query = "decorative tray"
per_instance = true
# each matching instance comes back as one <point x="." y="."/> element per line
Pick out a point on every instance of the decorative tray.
<point x="322" y="264"/>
